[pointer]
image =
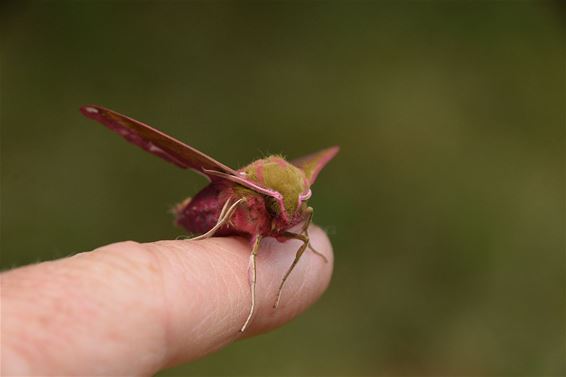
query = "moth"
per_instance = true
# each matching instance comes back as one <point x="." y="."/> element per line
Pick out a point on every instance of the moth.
<point x="263" y="199"/>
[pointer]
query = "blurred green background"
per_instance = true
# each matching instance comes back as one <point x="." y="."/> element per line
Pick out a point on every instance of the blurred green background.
<point x="446" y="205"/>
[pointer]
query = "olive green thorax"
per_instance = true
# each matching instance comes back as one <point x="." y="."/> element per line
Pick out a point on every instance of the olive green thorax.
<point x="276" y="173"/>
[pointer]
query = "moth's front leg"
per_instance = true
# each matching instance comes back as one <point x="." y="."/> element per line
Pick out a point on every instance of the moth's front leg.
<point x="252" y="277"/>
<point x="305" y="231"/>
<point x="300" y="251"/>
<point x="302" y="236"/>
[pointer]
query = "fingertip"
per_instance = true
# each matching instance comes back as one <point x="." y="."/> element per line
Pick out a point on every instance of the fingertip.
<point x="182" y="300"/>
<point x="208" y="293"/>
<point x="304" y="286"/>
<point x="199" y="293"/>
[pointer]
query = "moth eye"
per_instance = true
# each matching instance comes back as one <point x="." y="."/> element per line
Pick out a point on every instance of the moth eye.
<point x="272" y="206"/>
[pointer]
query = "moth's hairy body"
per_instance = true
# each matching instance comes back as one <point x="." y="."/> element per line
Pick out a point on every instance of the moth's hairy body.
<point x="263" y="199"/>
<point x="257" y="214"/>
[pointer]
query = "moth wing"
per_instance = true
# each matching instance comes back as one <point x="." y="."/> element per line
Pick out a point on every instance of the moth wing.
<point x="155" y="141"/>
<point x="313" y="163"/>
<point x="246" y="183"/>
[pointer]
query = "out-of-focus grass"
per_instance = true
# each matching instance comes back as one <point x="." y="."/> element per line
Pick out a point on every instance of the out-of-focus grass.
<point x="445" y="206"/>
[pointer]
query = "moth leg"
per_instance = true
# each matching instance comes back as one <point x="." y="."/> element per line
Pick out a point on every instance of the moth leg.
<point x="223" y="219"/>
<point x="252" y="280"/>
<point x="224" y="209"/>
<point x="317" y="252"/>
<point x="295" y="261"/>
<point x="305" y="230"/>
<point x="220" y="217"/>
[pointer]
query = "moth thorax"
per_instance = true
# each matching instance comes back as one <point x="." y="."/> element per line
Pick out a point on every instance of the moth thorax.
<point x="276" y="173"/>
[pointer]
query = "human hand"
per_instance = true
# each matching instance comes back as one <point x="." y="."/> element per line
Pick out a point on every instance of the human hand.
<point x="134" y="309"/>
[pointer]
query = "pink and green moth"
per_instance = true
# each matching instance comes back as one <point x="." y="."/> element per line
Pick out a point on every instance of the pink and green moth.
<point x="263" y="199"/>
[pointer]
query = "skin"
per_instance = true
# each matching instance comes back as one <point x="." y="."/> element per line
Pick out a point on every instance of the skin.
<point x="134" y="309"/>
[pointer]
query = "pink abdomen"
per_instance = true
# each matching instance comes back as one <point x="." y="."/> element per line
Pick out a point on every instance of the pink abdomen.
<point x="201" y="213"/>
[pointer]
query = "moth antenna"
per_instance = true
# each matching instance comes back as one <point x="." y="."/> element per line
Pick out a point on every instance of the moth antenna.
<point x="252" y="280"/>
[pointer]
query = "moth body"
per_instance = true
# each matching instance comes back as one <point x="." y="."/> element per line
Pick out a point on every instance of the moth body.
<point x="202" y="212"/>
<point x="257" y="214"/>
<point x="263" y="199"/>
